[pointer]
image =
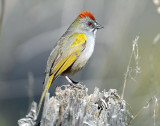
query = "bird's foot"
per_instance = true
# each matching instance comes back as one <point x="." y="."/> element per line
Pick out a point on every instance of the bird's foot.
<point x="74" y="84"/>
<point x="79" y="85"/>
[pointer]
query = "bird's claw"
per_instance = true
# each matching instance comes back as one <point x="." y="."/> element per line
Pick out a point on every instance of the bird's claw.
<point x="79" y="85"/>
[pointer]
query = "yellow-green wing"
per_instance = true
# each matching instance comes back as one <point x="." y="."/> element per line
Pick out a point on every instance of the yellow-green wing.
<point x="70" y="54"/>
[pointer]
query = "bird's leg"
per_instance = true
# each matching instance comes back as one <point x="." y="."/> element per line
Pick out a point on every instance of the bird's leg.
<point x="74" y="83"/>
<point x="70" y="80"/>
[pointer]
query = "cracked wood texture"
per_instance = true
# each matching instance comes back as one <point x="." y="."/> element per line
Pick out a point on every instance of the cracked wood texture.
<point x="75" y="107"/>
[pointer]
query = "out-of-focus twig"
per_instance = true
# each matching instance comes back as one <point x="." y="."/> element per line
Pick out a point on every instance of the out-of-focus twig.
<point x="30" y="87"/>
<point x="135" y="54"/>
<point x="153" y="99"/>
<point x="151" y="57"/>
<point x="1" y="14"/>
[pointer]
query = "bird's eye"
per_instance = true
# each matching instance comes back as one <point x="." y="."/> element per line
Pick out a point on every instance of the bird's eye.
<point x="89" y="23"/>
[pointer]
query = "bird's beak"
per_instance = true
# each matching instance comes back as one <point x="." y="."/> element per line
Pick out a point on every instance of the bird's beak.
<point x="98" y="26"/>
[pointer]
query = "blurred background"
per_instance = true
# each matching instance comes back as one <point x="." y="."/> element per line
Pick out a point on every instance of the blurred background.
<point x="30" y="28"/>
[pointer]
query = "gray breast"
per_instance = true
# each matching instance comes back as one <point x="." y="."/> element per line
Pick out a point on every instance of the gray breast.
<point x="84" y="57"/>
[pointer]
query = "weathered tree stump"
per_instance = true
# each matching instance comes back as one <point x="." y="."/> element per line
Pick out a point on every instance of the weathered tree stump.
<point x="74" y="107"/>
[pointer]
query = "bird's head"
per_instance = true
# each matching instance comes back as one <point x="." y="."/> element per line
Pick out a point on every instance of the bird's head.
<point x="86" y="22"/>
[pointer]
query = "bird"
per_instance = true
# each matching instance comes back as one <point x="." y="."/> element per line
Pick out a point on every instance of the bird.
<point x="72" y="51"/>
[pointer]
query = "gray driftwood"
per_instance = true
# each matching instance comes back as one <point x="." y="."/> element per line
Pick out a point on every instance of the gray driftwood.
<point x="74" y="107"/>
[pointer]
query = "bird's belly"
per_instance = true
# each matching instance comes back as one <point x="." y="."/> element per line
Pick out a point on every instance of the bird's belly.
<point x="83" y="58"/>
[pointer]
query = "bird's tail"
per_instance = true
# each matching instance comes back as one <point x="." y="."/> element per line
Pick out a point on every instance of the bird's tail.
<point x="48" y="82"/>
